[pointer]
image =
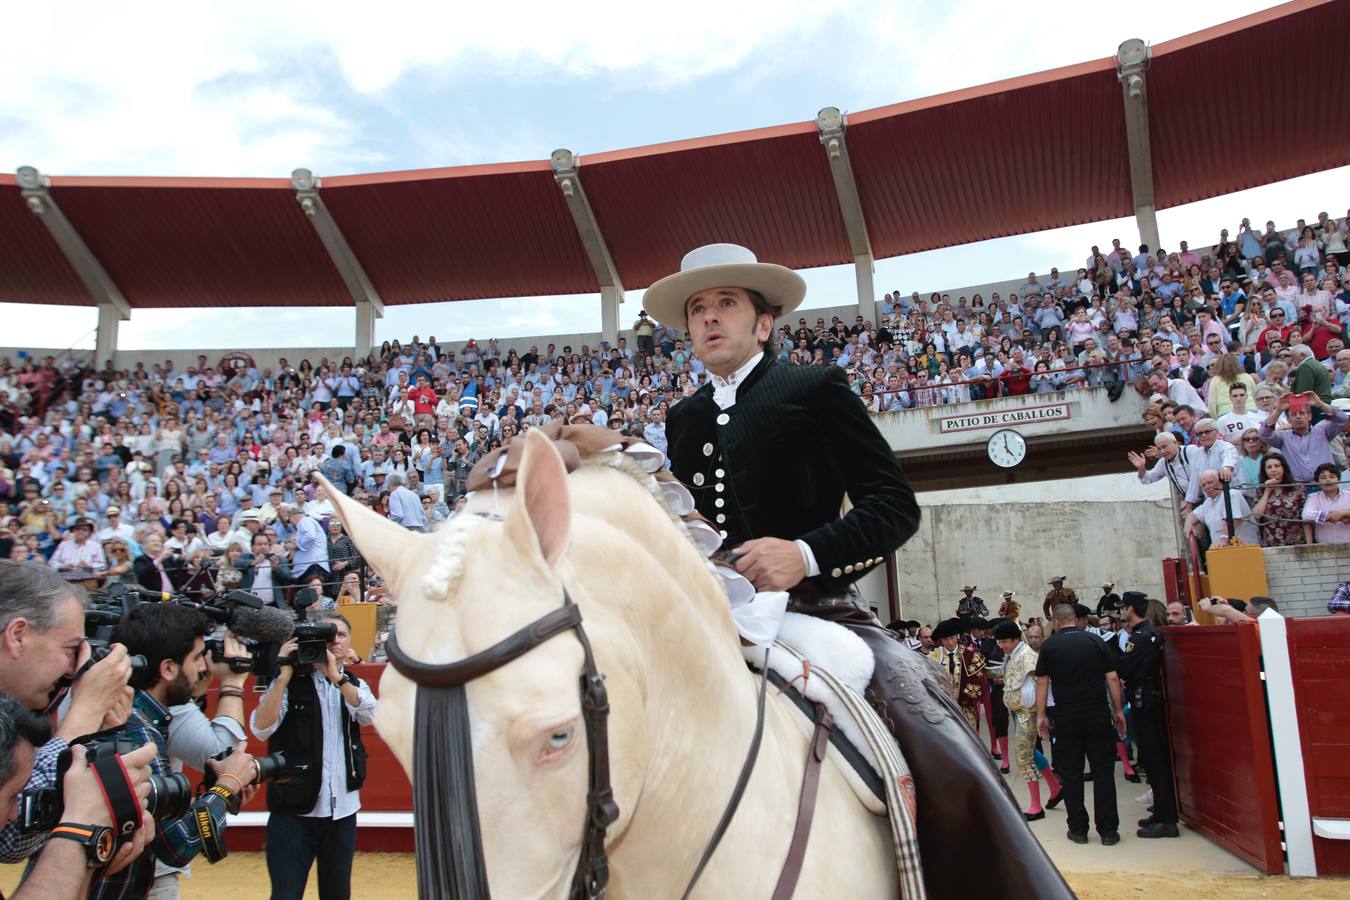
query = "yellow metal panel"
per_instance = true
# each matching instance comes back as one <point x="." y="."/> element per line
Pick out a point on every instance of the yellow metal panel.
<point x="362" y="616"/>
<point x="1237" y="572"/>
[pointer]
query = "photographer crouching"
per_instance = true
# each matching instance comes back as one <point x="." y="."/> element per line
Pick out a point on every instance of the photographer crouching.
<point x="314" y="711"/>
<point x="171" y="638"/>
<point x="42" y="648"/>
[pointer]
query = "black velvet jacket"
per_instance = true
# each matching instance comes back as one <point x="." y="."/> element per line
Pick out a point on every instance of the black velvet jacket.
<point x="779" y="462"/>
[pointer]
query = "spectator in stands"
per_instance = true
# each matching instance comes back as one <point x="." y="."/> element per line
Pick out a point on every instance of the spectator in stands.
<point x="1304" y="445"/>
<point x="1178" y="390"/>
<point x="405" y="507"/>
<point x="1279" y="506"/>
<point x="1211" y="514"/>
<point x="1236" y="422"/>
<point x="1328" y="510"/>
<point x="1209" y="452"/>
<point x="1308" y="375"/>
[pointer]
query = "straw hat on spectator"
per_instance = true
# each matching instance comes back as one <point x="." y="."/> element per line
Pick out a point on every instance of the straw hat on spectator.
<point x="969" y="588"/>
<point x="721" y="265"/>
<point x="1057" y="579"/>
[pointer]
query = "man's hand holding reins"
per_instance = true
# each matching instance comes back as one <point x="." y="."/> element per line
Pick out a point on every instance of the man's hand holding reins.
<point x="771" y="564"/>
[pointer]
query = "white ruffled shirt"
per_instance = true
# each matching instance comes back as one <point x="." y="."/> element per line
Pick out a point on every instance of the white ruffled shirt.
<point x="724" y="395"/>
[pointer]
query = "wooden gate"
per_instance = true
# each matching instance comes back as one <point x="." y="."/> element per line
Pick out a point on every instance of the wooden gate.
<point x="1216" y="711"/>
<point x="1318" y="648"/>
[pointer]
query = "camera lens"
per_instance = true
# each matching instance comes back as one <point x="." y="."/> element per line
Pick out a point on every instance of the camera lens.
<point x="170" y="796"/>
<point x="273" y="768"/>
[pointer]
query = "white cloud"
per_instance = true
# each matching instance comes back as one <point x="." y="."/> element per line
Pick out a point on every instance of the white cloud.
<point x="254" y="88"/>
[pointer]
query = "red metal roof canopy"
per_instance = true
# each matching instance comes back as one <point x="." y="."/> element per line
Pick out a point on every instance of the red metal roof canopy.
<point x="1021" y="155"/>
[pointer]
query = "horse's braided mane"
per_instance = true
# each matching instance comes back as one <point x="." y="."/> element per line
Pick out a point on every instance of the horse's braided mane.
<point x="446" y="569"/>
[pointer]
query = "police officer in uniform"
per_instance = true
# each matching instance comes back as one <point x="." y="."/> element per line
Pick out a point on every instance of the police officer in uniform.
<point x="769" y="452"/>
<point x="1141" y="667"/>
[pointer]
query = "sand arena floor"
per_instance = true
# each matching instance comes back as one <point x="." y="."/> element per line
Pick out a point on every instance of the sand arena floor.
<point x="1188" y="868"/>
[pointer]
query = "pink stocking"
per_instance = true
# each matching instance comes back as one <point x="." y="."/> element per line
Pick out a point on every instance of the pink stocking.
<point x="1034" y="787"/>
<point x="1124" y="757"/>
<point x="1049" y="775"/>
<point x="1003" y="748"/>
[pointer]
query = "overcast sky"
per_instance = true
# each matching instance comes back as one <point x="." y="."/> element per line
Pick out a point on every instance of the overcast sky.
<point x="258" y="89"/>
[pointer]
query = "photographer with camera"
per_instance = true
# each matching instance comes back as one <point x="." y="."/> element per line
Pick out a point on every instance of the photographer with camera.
<point x="42" y="644"/>
<point x="265" y="572"/>
<point x="314" y="713"/>
<point x="171" y="638"/>
<point x="65" y="867"/>
<point x="193" y="739"/>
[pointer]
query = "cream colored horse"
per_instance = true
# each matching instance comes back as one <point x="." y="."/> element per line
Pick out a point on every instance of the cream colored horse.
<point x="682" y="702"/>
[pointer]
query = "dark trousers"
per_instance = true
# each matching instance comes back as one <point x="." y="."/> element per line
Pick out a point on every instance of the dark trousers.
<point x="1155" y="755"/>
<point x="294" y="843"/>
<point x="1079" y="736"/>
<point x="1000" y="711"/>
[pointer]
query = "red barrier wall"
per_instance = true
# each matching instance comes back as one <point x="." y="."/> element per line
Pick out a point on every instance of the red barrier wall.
<point x="1216" y="710"/>
<point x="1318" y="650"/>
<point x="386" y="788"/>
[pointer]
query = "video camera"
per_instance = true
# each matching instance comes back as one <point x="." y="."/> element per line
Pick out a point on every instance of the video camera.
<point x="170" y="795"/>
<point x="261" y="628"/>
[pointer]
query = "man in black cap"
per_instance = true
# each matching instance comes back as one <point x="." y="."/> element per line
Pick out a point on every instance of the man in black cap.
<point x="1141" y="667"/>
<point x="995" y="711"/>
<point x="964" y="665"/>
<point x="1080" y="669"/>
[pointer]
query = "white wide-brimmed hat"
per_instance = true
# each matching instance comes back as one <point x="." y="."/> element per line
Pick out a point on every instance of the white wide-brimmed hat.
<point x="721" y="265"/>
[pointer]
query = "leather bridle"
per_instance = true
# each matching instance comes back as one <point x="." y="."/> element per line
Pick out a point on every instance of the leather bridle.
<point x="441" y="696"/>
<point x="450" y="854"/>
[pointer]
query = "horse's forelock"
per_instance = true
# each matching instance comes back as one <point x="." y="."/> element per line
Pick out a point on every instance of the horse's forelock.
<point x="447" y="566"/>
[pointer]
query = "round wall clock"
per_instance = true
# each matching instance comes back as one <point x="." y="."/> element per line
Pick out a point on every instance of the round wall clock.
<point x="1006" y="448"/>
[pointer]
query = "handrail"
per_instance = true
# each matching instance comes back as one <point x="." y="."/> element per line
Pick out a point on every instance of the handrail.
<point x="990" y="379"/>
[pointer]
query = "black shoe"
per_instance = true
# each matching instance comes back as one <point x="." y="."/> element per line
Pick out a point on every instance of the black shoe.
<point x="1034" y="817"/>
<point x="995" y="754"/>
<point x="1159" y="830"/>
<point x="1110" y="839"/>
<point x="1146" y="821"/>
<point x="1133" y="778"/>
<point x="1005" y="770"/>
<point x="1076" y="837"/>
<point x="1054" y="801"/>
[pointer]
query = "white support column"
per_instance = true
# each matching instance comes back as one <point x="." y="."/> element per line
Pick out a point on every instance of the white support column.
<point x="863" y="271"/>
<point x="831" y="123"/>
<point x="610" y="298"/>
<point x="105" y="344"/>
<point x="112" y="306"/>
<point x="366" y="314"/>
<point x="1287" y="745"/>
<point x="1132" y="58"/>
<point x="369" y="306"/>
<point x="565" y="175"/>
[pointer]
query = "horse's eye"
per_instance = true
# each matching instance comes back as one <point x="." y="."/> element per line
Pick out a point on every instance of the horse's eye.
<point x="560" y="739"/>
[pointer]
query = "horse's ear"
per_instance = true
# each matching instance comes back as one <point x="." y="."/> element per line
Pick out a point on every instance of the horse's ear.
<point x="385" y="544"/>
<point x="542" y="511"/>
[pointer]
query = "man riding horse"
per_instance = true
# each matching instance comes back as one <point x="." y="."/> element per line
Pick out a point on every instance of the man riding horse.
<point x="768" y="452"/>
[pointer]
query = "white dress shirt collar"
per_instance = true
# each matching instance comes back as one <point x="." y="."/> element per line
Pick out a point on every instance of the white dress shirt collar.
<point x="724" y="389"/>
